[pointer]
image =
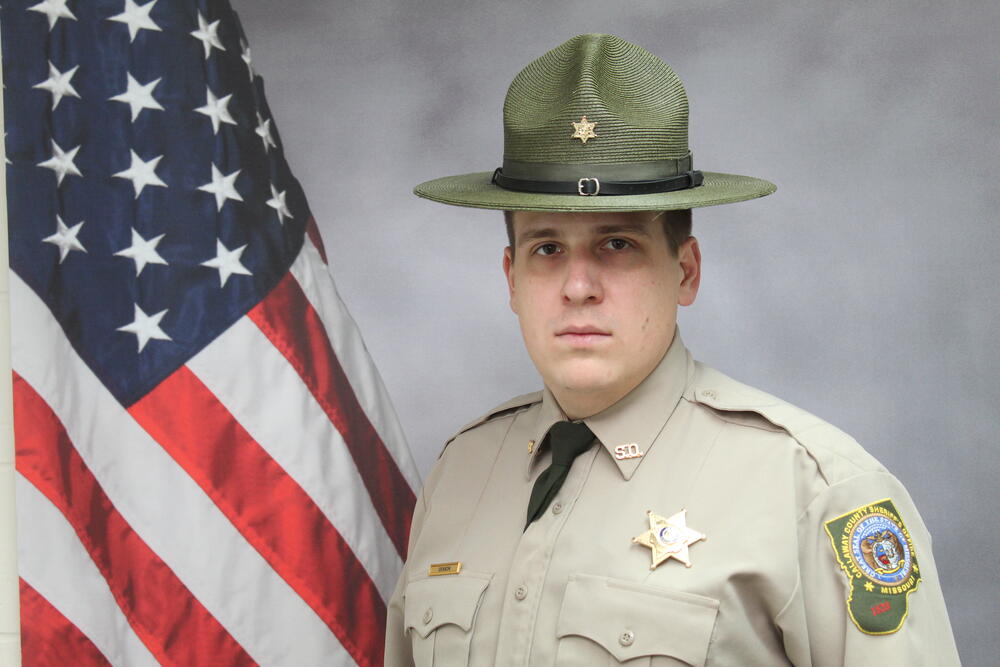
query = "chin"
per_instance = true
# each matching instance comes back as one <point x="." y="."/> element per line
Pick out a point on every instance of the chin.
<point x="584" y="378"/>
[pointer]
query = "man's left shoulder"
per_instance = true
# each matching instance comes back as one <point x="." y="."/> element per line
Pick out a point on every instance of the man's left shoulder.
<point x="838" y="455"/>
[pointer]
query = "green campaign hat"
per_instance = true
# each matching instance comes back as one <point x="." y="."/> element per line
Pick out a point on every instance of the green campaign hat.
<point x="595" y="124"/>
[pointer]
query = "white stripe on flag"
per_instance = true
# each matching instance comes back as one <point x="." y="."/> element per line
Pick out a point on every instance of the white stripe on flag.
<point x="303" y="441"/>
<point x="163" y="504"/>
<point x="314" y="278"/>
<point x="54" y="562"/>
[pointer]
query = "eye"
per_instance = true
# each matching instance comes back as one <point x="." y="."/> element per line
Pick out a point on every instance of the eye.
<point x="617" y="244"/>
<point x="547" y="249"/>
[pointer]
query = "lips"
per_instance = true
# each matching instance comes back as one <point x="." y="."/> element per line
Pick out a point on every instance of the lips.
<point x="582" y="331"/>
<point x="582" y="336"/>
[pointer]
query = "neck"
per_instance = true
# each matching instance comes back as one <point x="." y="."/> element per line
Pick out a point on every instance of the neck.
<point x="580" y="406"/>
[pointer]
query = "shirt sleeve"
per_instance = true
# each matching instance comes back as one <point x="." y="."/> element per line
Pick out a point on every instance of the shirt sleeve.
<point x="867" y="589"/>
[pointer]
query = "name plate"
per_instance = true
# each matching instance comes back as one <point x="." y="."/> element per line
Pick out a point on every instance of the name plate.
<point x="438" y="569"/>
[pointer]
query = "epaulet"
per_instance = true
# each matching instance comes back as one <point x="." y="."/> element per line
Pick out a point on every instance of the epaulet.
<point x="513" y="405"/>
<point x="837" y="453"/>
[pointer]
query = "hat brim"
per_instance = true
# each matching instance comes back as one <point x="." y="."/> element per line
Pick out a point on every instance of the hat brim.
<point x="477" y="191"/>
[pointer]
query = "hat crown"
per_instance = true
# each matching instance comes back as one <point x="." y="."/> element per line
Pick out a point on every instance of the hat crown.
<point x="636" y="101"/>
<point x="629" y="154"/>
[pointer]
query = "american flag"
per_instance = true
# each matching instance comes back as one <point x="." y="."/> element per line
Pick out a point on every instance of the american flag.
<point x="208" y="468"/>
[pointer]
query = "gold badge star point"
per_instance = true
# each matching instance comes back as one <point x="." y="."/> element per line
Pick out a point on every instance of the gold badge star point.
<point x="668" y="537"/>
<point x="869" y="586"/>
<point x="583" y="130"/>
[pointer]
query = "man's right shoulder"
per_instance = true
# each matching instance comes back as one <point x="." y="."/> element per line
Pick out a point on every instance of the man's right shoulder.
<point x="505" y="410"/>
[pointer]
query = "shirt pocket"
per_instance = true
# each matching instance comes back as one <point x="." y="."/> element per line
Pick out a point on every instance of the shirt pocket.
<point x="439" y="614"/>
<point x="607" y="621"/>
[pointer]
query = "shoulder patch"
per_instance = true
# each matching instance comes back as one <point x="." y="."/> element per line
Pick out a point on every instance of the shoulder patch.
<point x="513" y="405"/>
<point x="875" y="551"/>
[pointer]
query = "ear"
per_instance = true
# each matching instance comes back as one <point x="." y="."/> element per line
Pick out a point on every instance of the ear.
<point x="508" y="271"/>
<point x="689" y="258"/>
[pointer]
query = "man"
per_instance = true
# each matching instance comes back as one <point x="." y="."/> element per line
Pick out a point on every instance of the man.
<point x="643" y="508"/>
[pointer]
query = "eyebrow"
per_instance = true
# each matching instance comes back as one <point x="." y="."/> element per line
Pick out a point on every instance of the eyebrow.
<point x="603" y="230"/>
<point x="628" y="227"/>
<point x="535" y="234"/>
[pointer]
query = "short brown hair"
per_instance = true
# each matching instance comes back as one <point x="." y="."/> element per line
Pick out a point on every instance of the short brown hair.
<point x="676" y="227"/>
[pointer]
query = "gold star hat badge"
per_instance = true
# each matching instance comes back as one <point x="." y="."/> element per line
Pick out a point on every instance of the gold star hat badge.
<point x="668" y="538"/>
<point x="583" y="130"/>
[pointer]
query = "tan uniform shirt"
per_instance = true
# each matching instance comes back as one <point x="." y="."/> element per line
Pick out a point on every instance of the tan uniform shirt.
<point x="757" y="476"/>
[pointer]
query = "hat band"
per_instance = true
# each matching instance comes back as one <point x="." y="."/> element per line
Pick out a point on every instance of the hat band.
<point x="648" y="170"/>
<point x="590" y="186"/>
<point x="628" y="178"/>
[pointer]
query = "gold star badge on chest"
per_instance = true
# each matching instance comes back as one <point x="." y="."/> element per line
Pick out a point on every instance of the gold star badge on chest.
<point x="583" y="130"/>
<point x="668" y="538"/>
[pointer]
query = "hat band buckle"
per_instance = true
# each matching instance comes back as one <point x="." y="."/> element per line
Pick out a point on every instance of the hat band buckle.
<point x="588" y="187"/>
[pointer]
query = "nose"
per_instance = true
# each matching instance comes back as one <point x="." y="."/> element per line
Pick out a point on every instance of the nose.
<point x="582" y="282"/>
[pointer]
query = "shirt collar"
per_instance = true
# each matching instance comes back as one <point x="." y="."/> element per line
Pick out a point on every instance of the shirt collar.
<point x="636" y="419"/>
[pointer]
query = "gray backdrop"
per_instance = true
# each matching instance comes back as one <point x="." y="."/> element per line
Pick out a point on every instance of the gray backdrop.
<point x="864" y="290"/>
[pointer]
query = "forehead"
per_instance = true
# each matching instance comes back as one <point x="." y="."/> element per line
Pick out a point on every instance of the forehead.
<point x="533" y="224"/>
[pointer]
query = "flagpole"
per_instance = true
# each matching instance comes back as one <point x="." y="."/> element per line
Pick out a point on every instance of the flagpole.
<point x="10" y="640"/>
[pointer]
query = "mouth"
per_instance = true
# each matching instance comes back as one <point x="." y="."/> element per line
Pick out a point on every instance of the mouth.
<point x="582" y="336"/>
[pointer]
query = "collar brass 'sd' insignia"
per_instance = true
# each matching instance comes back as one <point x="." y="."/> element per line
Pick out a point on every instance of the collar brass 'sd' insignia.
<point x="668" y="538"/>
<point x="629" y="451"/>
<point x="583" y="130"/>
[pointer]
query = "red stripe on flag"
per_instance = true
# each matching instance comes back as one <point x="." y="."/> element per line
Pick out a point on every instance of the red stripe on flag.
<point x="268" y="507"/>
<point x="293" y="326"/>
<point x="312" y="229"/>
<point x="168" y="619"/>
<point x="49" y="639"/>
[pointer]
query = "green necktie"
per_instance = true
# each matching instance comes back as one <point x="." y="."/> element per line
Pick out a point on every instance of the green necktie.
<point x="567" y="440"/>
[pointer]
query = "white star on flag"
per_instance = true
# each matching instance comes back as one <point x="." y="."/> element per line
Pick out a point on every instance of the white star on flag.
<point x="207" y="33"/>
<point x="145" y="327"/>
<point x="222" y="186"/>
<point x="142" y="251"/>
<point x="245" y="55"/>
<point x="59" y="84"/>
<point x="216" y="109"/>
<point x="138" y="96"/>
<point x="136" y="17"/>
<point x="61" y="162"/>
<point x="227" y="262"/>
<point x="54" y="9"/>
<point x="65" y="238"/>
<point x="264" y="132"/>
<point x="142" y="173"/>
<point x="277" y="202"/>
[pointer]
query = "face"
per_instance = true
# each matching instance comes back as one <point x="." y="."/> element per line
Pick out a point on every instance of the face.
<point x="596" y="295"/>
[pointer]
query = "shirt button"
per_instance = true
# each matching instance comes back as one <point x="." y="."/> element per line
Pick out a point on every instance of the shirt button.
<point x="520" y="593"/>
<point x="626" y="638"/>
<point x="428" y="615"/>
<point x="557" y="508"/>
<point x="709" y="393"/>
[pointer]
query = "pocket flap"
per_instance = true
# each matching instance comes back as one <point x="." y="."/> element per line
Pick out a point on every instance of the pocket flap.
<point x="435" y="601"/>
<point x="633" y="620"/>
